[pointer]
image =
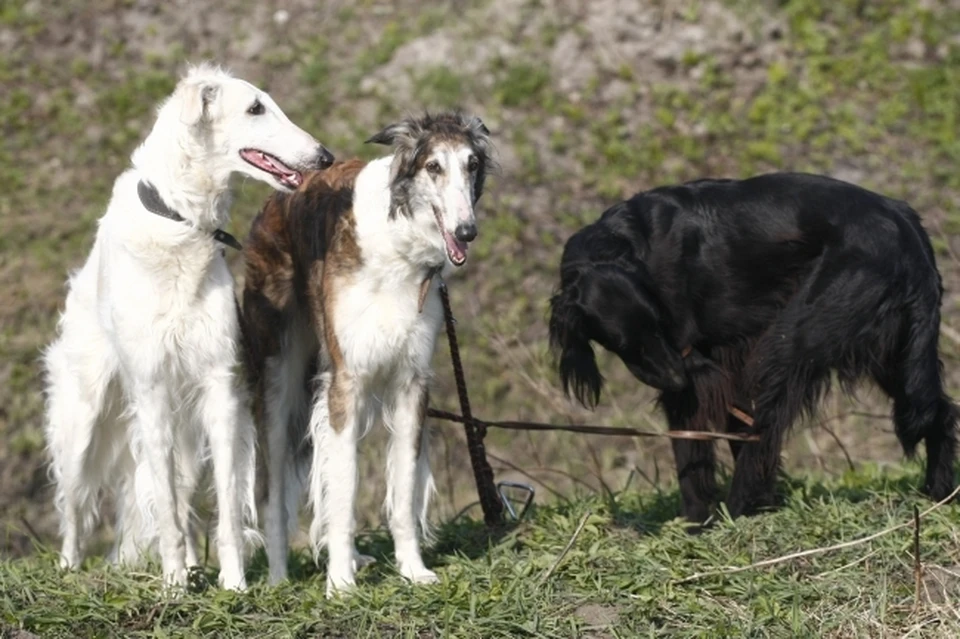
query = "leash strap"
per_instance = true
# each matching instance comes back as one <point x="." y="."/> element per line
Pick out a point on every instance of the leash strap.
<point x="425" y="286"/>
<point x="476" y="431"/>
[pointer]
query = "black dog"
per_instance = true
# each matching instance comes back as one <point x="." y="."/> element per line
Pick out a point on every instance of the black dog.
<point x="747" y="294"/>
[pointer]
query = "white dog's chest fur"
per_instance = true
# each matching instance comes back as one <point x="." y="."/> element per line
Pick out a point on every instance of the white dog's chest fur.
<point x="176" y="293"/>
<point x="380" y="330"/>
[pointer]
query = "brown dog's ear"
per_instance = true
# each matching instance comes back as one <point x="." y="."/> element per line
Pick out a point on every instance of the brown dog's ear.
<point x="392" y="134"/>
<point x="196" y="100"/>
<point x="478" y="125"/>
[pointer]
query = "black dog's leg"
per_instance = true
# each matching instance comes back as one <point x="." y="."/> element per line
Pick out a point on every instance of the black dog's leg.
<point x="695" y="460"/>
<point x="921" y="408"/>
<point x="941" y="443"/>
<point x="788" y="372"/>
<point x="764" y="496"/>
<point x="754" y="477"/>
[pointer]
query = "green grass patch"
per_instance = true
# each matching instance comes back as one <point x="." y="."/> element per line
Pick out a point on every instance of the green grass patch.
<point x="520" y="83"/>
<point x="622" y="577"/>
<point x="440" y="87"/>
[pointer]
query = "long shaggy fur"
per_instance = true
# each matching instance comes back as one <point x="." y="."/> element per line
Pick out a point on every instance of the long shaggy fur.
<point x="336" y="337"/>
<point x="750" y="293"/>
<point x="140" y="382"/>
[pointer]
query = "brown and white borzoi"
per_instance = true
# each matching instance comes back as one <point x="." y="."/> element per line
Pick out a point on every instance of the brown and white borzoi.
<point x="341" y="309"/>
<point x="140" y="380"/>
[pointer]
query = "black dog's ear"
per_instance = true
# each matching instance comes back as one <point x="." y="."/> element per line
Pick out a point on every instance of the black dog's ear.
<point x="577" y="363"/>
<point x="661" y="365"/>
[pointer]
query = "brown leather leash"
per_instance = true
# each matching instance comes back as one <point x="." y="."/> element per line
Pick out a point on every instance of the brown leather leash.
<point x="490" y="500"/>
<point x="697" y="435"/>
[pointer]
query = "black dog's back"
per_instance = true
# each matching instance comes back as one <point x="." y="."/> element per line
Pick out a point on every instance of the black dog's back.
<point x="770" y="283"/>
<point x="742" y="247"/>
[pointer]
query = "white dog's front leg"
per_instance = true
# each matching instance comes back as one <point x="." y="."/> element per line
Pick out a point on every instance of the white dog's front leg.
<point x="335" y="439"/>
<point x="154" y="423"/>
<point x="230" y="430"/>
<point x="409" y="480"/>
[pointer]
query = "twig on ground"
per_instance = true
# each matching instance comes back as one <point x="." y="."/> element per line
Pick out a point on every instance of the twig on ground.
<point x="463" y="511"/>
<point x="816" y="551"/>
<point x="563" y="553"/>
<point x="843" y="449"/>
<point x="30" y="529"/>
<point x="917" y="567"/>
<point x="858" y="560"/>
<point x="147" y="620"/>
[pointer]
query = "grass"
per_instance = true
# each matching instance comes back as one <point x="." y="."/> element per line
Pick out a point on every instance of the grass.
<point x="621" y="578"/>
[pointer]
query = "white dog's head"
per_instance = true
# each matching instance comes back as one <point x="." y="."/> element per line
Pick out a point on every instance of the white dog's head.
<point x="437" y="176"/>
<point x="238" y="128"/>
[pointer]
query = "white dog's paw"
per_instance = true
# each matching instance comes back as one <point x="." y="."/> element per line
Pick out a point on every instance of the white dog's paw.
<point x="339" y="586"/>
<point x="175" y="584"/>
<point x="420" y="575"/>
<point x="68" y="562"/>
<point x="237" y="583"/>
<point x="175" y="579"/>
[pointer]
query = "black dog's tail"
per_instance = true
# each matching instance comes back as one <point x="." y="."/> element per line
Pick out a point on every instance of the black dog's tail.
<point x="569" y="339"/>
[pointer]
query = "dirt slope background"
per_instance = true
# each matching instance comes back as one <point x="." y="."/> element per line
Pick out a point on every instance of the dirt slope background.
<point x="588" y="102"/>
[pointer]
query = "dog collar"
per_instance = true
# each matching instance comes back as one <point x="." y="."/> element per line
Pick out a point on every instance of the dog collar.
<point x="152" y="201"/>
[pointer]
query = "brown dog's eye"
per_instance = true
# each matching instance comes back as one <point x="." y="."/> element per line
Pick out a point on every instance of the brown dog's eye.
<point x="256" y="108"/>
<point x="473" y="163"/>
<point x="434" y="167"/>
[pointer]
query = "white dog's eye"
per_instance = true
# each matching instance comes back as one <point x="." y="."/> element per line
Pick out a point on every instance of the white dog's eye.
<point x="434" y="167"/>
<point x="256" y="108"/>
<point x="473" y="163"/>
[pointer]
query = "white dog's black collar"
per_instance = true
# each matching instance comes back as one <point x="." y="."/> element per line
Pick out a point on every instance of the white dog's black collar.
<point x="152" y="201"/>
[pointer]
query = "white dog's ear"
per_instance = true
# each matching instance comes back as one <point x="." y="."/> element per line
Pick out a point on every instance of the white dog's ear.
<point x="196" y="101"/>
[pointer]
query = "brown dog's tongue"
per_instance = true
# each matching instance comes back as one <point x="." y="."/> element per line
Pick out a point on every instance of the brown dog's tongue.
<point x="456" y="248"/>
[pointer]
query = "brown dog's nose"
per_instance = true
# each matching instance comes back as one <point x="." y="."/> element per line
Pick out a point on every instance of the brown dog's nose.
<point x="466" y="232"/>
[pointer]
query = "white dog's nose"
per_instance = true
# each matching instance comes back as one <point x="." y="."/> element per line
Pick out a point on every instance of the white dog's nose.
<point x="324" y="157"/>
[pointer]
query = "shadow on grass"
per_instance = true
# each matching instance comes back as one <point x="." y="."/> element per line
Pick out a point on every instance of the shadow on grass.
<point x="647" y="514"/>
<point x="465" y="537"/>
<point x="855" y="488"/>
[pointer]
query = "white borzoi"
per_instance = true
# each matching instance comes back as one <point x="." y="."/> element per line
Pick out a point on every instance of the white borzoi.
<point x="341" y="298"/>
<point x="140" y="380"/>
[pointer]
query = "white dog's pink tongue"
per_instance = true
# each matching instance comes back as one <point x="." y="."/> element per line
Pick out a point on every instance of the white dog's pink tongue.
<point x="456" y="249"/>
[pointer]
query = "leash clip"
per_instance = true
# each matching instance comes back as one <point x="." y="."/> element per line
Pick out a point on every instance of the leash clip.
<point x="527" y="501"/>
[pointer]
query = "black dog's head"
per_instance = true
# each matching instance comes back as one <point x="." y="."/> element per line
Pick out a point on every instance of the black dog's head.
<point x="614" y="304"/>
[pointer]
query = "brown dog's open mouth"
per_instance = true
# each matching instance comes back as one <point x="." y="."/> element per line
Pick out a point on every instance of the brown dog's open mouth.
<point x="270" y="164"/>
<point x="456" y="250"/>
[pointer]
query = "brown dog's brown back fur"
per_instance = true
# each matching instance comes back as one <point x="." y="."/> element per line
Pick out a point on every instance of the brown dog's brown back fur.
<point x="285" y="255"/>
